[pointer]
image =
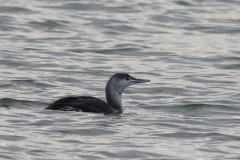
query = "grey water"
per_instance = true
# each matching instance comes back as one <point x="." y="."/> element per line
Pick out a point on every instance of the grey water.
<point x="189" y="49"/>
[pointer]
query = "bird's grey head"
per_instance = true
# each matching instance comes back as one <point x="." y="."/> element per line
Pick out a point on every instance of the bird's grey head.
<point x="115" y="86"/>
<point x="120" y="81"/>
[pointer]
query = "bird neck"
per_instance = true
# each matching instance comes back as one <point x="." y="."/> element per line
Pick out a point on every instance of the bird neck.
<point x="114" y="97"/>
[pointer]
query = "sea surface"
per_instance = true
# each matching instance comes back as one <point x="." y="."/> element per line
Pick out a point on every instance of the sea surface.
<point x="189" y="49"/>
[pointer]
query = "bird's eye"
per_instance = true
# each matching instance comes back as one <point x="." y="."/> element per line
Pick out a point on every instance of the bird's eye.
<point x="127" y="79"/>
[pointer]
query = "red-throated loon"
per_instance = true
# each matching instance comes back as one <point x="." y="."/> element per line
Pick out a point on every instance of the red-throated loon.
<point x="114" y="88"/>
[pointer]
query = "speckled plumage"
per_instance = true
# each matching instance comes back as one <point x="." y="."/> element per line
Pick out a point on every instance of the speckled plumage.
<point x="81" y="103"/>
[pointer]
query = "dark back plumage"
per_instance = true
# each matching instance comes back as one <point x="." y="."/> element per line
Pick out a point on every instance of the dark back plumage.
<point x="81" y="103"/>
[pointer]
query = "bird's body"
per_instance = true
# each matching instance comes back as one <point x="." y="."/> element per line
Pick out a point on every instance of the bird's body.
<point x="114" y="88"/>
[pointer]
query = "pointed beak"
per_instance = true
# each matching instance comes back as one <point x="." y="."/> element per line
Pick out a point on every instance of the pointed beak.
<point x="135" y="81"/>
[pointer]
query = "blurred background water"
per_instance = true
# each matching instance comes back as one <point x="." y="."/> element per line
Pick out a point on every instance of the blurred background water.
<point x="189" y="49"/>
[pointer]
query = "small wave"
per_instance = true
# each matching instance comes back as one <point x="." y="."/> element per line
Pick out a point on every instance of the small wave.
<point x="5" y="9"/>
<point x="16" y="103"/>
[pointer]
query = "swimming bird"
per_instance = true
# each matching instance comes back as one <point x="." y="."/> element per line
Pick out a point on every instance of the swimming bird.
<point x="114" y="88"/>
